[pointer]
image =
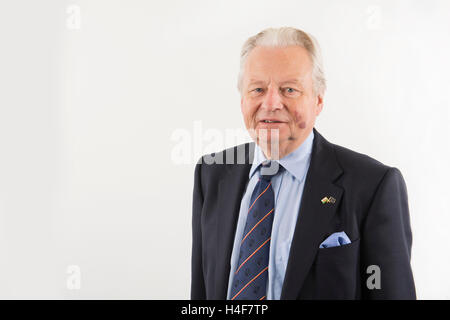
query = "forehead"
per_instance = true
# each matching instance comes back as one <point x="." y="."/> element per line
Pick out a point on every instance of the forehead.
<point x="278" y="63"/>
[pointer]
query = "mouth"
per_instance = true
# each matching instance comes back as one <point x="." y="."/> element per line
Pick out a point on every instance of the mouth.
<point x="271" y="122"/>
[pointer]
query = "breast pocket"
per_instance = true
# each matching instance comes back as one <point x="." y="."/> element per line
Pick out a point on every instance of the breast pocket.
<point x="336" y="271"/>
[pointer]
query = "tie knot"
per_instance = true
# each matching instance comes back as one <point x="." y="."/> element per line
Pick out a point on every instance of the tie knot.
<point x="269" y="169"/>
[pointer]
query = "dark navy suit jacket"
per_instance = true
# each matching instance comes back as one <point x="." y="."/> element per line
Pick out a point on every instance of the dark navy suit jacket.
<point x="371" y="207"/>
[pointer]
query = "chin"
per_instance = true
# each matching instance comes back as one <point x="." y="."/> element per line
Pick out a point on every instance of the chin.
<point x="269" y="140"/>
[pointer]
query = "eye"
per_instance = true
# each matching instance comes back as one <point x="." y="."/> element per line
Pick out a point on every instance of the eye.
<point x="290" y="91"/>
<point x="256" y="92"/>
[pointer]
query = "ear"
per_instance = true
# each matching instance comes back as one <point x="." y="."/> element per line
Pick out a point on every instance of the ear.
<point x="319" y="104"/>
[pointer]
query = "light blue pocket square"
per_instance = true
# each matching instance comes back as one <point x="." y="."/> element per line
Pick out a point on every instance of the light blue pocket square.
<point x="335" y="240"/>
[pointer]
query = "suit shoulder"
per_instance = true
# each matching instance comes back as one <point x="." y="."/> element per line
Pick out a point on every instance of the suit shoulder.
<point x="214" y="165"/>
<point x="359" y="164"/>
<point x="364" y="176"/>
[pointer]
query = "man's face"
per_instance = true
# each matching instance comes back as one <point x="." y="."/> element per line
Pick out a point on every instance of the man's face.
<point x="277" y="85"/>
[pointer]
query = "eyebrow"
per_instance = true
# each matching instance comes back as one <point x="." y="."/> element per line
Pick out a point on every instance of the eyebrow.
<point x="296" y="81"/>
<point x="254" y="81"/>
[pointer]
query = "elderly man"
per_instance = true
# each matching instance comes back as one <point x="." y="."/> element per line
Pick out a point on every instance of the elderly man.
<point x="301" y="218"/>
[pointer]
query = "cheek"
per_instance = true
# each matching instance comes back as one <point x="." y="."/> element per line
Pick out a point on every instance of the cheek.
<point x="299" y="121"/>
<point x="245" y="108"/>
<point x="249" y="111"/>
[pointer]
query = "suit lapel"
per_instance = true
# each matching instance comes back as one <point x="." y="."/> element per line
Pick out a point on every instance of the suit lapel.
<point x="314" y="216"/>
<point x="231" y="190"/>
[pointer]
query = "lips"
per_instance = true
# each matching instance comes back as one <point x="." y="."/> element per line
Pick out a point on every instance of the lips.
<point x="271" y="120"/>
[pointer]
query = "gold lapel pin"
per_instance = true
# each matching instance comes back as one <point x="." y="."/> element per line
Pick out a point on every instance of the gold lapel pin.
<point x="328" y="200"/>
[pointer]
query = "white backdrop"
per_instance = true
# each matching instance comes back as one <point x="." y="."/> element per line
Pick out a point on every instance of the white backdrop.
<point x="98" y="95"/>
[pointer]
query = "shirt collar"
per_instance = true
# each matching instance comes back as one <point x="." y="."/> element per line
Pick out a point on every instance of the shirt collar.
<point x="295" y="162"/>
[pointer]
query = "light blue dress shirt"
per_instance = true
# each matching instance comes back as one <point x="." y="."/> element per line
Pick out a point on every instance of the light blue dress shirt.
<point x="288" y="190"/>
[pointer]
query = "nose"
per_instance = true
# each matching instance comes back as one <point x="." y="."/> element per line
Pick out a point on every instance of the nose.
<point x="272" y="100"/>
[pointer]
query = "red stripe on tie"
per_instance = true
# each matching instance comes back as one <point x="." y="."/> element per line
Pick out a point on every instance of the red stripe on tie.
<point x="250" y="282"/>
<point x="259" y="196"/>
<point x="252" y="255"/>
<point x="262" y="219"/>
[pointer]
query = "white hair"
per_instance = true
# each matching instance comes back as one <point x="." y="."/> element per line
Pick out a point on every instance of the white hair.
<point x="282" y="37"/>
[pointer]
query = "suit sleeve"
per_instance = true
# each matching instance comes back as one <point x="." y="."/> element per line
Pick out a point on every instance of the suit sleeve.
<point x="386" y="241"/>
<point x="197" y="280"/>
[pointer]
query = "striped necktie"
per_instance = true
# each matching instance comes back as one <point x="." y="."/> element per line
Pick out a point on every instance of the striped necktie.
<point x="250" y="278"/>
